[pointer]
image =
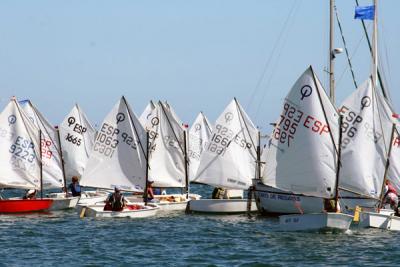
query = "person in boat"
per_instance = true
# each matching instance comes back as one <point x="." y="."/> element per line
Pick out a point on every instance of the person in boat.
<point x="159" y="191"/>
<point x="150" y="192"/>
<point x="329" y="206"/>
<point x="218" y="193"/>
<point x="116" y="201"/>
<point x="30" y="194"/>
<point x="74" y="187"/>
<point x="390" y="196"/>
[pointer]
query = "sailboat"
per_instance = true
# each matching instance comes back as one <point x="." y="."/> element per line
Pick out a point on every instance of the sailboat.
<point x="168" y="157"/>
<point x="53" y="171"/>
<point x="379" y="217"/>
<point x="275" y="201"/>
<point x="20" y="160"/>
<point x="76" y="136"/>
<point x="304" y="152"/>
<point x="229" y="161"/>
<point x="119" y="158"/>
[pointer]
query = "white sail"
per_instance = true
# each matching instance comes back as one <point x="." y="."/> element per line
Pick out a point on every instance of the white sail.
<point x="77" y="137"/>
<point x="229" y="159"/>
<point x="19" y="146"/>
<point x="199" y="134"/>
<point x="302" y="156"/>
<point x="146" y="113"/>
<point x="366" y="131"/>
<point x="166" y="160"/>
<point x="51" y="159"/>
<point x="394" y="163"/>
<point x="118" y="157"/>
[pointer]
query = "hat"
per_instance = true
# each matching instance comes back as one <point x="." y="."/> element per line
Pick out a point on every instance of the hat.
<point x="31" y="191"/>
<point x="117" y="189"/>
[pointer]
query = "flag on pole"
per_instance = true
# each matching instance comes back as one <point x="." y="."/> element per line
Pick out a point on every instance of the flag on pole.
<point x="365" y="12"/>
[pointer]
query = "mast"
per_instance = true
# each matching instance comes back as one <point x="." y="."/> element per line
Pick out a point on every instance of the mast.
<point x="62" y="161"/>
<point x="387" y="166"/>
<point x="41" y="163"/>
<point x="331" y="52"/>
<point x="375" y="47"/>
<point x="370" y="49"/>
<point x="259" y="157"/>
<point x="338" y="164"/>
<point x="186" y="164"/>
<point x="147" y="168"/>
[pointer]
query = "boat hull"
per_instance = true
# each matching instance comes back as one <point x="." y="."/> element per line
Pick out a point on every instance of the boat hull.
<point x="272" y="201"/>
<point x="92" y="198"/>
<point x="64" y="203"/>
<point x="97" y="211"/>
<point x="24" y="205"/>
<point x="172" y="202"/>
<point x="220" y="206"/>
<point x="315" y="222"/>
<point x="385" y="219"/>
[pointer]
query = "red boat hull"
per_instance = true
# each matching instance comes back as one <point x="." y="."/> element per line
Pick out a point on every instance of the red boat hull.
<point x="24" y="205"/>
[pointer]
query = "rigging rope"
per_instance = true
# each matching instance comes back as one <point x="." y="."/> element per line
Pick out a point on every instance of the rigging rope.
<point x="267" y="63"/>
<point x="345" y="47"/>
<point x="267" y="86"/>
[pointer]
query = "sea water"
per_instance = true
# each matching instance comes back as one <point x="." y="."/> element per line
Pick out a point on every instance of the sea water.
<point x="175" y="239"/>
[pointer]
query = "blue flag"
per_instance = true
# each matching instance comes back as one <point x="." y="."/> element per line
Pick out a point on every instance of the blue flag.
<point x="365" y="12"/>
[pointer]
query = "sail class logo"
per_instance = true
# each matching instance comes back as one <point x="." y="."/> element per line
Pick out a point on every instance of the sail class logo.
<point x="11" y="119"/>
<point x="228" y="117"/>
<point x="305" y="91"/>
<point x="197" y="127"/>
<point x="365" y="102"/>
<point x="120" y="117"/>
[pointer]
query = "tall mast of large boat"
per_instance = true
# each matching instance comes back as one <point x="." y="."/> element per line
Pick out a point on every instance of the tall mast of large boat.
<point x="375" y="47"/>
<point x="331" y="52"/>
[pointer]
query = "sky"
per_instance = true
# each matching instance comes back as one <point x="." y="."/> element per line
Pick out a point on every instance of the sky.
<point x="197" y="55"/>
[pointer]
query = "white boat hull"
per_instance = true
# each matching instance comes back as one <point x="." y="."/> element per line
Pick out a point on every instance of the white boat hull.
<point x="315" y="222"/>
<point x="385" y="219"/>
<point x="64" y="203"/>
<point x="227" y="206"/>
<point x="93" y="197"/>
<point x="97" y="211"/>
<point x="165" y="203"/>
<point x="272" y="201"/>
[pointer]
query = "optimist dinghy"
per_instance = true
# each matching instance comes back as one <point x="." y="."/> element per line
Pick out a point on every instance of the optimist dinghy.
<point x="118" y="159"/>
<point x="304" y="152"/>
<point x="131" y="211"/>
<point x="229" y="161"/>
<point x="20" y="160"/>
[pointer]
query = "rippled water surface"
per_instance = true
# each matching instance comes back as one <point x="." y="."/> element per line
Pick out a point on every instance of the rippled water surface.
<point x="176" y="239"/>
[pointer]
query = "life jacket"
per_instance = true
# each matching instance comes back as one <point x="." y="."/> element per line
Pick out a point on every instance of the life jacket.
<point x="75" y="189"/>
<point x="117" y="202"/>
<point x="391" y="189"/>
